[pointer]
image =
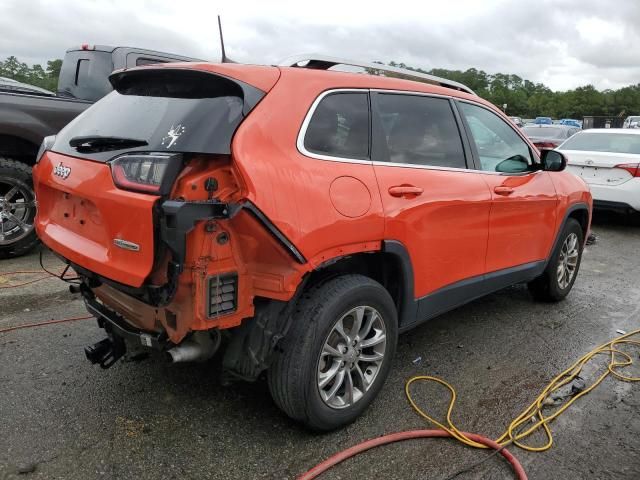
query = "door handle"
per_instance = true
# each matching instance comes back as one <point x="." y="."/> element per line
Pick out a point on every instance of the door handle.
<point x="407" y="191"/>
<point x="503" y="190"/>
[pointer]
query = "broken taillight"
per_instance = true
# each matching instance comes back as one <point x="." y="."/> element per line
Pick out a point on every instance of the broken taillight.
<point x="152" y="173"/>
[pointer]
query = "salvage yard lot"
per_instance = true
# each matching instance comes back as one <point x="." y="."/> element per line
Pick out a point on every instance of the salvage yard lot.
<point x="64" y="418"/>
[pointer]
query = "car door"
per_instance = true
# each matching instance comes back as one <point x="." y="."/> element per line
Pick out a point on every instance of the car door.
<point x="523" y="212"/>
<point x="436" y="207"/>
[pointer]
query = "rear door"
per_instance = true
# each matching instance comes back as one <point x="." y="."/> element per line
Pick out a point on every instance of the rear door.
<point x="523" y="212"/>
<point x="436" y="207"/>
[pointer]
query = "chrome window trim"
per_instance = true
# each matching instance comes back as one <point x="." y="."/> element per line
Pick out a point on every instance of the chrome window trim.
<point x="410" y="92"/>
<point x="452" y="169"/>
<point x="307" y="119"/>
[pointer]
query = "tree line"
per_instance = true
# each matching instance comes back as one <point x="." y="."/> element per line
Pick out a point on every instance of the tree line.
<point x="529" y="100"/>
<point x="523" y="98"/>
<point x="44" y="77"/>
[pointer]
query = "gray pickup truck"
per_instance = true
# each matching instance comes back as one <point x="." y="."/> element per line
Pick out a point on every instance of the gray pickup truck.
<point x="29" y="114"/>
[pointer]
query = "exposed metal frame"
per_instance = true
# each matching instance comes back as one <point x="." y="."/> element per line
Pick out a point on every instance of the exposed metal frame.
<point x="324" y="62"/>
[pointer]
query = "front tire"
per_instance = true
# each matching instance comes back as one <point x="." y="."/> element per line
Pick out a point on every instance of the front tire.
<point x="337" y="353"/>
<point x="17" y="209"/>
<point x="561" y="272"/>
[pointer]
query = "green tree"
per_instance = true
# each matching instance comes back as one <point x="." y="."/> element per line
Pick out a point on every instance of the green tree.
<point x="528" y="99"/>
<point x="33" y="75"/>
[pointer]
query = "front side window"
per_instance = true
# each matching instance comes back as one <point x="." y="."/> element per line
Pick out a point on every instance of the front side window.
<point x="499" y="147"/>
<point x="339" y="126"/>
<point x="419" y="130"/>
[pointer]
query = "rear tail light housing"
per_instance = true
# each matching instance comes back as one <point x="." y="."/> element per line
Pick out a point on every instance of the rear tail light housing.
<point x="45" y="146"/>
<point x="632" y="168"/>
<point x="152" y="173"/>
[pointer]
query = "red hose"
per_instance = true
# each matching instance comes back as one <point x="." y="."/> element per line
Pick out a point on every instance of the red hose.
<point x="407" y="435"/>
<point x="48" y="322"/>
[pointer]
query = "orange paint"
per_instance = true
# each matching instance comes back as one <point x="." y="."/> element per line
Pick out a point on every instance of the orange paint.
<point x="454" y="225"/>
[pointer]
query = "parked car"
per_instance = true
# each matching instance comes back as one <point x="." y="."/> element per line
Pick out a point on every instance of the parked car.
<point x="631" y="122"/>
<point x="312" y="217"/>
<point x="28" y="114"/>
<point x="517" y="121"/>
<point x="609" y="161"/>
<point x="548" y="137"/>
<point x="13" y="86"/>
<point x="543" y="121"/>
<point x="570" y="122"/>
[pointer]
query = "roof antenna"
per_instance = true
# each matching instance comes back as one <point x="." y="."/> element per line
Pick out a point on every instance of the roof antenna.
<point x="224" y="59"/>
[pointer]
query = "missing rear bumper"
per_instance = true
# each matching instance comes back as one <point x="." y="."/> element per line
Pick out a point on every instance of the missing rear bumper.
<point x="119" y="333"/>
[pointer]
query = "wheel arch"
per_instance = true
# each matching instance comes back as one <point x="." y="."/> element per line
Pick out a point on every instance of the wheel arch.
<point x="18" y="148"/>
<point x="582" y="216"/>
<point x="390" y="266"/>
<point x="579" y="212"/>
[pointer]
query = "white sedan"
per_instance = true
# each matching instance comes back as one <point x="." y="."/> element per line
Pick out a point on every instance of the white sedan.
<point x="608" y="160"/>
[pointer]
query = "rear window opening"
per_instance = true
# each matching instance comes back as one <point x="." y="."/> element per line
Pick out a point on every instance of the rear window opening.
<point x="604" y="142"/>
<point x="164" y="110"/>
<point x="188" y="84"/>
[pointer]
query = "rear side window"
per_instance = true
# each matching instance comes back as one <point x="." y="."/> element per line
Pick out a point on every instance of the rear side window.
<point x="141" y="61"/>
<point x="604" y="142"/>
<point x="419" y="130"/>
<point x="339" y="126"/>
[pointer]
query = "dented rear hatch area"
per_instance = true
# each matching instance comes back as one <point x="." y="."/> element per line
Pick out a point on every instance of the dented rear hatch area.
<point x="102" y="186"/>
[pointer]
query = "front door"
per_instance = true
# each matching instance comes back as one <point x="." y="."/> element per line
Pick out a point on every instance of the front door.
<point x="436" y="207"/>
<point x="523" y="212"/>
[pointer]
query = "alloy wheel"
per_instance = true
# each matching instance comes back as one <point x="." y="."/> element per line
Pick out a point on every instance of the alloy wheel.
<point x="568" y="261"/>
<point x="351" y="357"/>
<point x="17" y="211"/>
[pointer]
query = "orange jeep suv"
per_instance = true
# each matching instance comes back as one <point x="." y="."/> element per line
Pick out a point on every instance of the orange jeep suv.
<point x="300" y="217"/>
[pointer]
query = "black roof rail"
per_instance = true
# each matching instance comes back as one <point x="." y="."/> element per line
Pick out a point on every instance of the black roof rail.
<point x="325" y="62"/>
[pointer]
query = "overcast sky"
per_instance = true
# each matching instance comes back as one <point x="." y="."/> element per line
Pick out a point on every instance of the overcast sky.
<point x="562" y="43"/>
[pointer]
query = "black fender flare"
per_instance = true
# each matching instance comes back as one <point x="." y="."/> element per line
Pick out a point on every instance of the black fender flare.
<point x="572" y="208"/>
<point x="407" y="305"/>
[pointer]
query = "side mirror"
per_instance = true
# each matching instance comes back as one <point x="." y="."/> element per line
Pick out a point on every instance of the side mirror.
<point x="553" y="161"/>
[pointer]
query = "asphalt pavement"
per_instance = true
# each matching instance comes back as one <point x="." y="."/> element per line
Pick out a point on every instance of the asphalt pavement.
<point x="62" y="418"/>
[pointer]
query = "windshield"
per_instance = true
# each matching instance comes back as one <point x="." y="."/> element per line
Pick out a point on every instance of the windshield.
<point x="189" y="112"/>
<point x="549" y="132"/>
<point x="603" y="142"/>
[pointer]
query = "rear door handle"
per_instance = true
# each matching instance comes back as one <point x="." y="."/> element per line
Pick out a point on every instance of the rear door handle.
<point x="503" y="190"/>
<point x="406" y="191"/>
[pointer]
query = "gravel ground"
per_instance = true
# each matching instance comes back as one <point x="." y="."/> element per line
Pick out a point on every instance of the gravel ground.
<point x="62" y="418"/>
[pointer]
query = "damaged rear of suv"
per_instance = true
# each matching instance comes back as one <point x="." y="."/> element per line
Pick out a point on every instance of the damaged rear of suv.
<point x="136" y="195"/>
<point x="285" y="208"/>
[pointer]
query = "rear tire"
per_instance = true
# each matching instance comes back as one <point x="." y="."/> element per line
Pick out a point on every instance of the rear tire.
<point x="17" y="209"/>
<point x="561" y="272"/>
<point x="329" y="342"/>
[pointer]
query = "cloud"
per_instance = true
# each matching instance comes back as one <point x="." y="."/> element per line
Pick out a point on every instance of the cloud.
<point x="562" y="43"/>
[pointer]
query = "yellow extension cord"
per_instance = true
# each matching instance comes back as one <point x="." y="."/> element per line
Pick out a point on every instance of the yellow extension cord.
<point x="534" y="413"/>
